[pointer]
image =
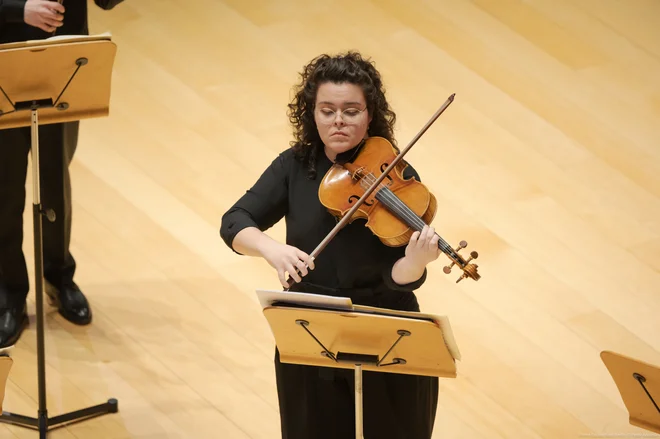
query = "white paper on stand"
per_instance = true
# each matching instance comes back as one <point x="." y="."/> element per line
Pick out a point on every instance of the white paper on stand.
<point x="268" y="297"/>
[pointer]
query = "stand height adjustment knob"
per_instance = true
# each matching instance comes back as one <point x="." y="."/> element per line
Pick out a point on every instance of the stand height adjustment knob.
<point x="50" y="214"/>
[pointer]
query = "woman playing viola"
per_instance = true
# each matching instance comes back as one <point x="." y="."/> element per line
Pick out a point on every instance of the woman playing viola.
<point x="339" y="103"/>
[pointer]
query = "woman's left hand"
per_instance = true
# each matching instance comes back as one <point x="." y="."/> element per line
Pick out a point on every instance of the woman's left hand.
<point x="423" y="247"/>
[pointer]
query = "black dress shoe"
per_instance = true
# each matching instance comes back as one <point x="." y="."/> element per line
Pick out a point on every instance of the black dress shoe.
<point x="70" y="302"/>
<point x="12" y="323"/>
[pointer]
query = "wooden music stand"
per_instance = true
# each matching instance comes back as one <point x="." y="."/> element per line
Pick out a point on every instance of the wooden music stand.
<point x="326" y="331"/>
<point x="5" y="366"/>
<point x="60" y="79"/>
<point x="639" y="385"/>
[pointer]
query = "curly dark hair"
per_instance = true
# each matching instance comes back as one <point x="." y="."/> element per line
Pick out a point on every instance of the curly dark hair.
<point x="349" y="67"/>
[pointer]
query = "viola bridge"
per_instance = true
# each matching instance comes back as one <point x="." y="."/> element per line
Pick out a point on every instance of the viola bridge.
<point x="357" y="174"/>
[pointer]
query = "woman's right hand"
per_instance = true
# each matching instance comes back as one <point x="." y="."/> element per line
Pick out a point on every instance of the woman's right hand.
<point x="44" y="14"/>
<point x="286" y="259"/>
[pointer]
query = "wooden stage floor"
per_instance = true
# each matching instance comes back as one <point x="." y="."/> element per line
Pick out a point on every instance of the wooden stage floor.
<point x="547" y="163"/>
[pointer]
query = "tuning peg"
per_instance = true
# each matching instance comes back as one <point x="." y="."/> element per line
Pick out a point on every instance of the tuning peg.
<point x="461" y="245"/>
<point x="469" y="267"/>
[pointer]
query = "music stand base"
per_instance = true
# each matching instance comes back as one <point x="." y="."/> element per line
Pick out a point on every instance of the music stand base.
<point x="44" y="424"/>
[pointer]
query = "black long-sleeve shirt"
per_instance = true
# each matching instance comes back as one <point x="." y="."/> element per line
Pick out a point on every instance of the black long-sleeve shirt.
<point x="355" y="259"/>
<point x="13" y="28"/>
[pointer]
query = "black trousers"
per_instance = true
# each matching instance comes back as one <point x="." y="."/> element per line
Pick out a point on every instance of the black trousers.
<point x="57" y="145"/>
<point x="319" y="402"/>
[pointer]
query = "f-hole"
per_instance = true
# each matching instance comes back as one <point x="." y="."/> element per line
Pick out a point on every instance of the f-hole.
<point x="382" y="169"/>
<point x="353" y="198"/>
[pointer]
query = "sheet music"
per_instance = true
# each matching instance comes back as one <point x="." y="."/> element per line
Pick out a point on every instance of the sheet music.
<point x="268" y="297"/>
<point x="57" y="40"/>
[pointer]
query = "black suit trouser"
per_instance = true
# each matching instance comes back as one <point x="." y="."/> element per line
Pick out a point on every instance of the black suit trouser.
<point x="57" y="145"/>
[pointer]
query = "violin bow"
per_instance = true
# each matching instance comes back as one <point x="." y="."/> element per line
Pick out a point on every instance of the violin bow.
<point x="60" y="2"/>
<point x="346" y="218"/>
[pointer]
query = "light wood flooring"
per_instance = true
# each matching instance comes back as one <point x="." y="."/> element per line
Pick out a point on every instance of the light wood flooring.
<point x="547" y="163"/>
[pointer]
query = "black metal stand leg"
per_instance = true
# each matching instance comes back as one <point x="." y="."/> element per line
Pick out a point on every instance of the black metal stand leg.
<point x="642" y="379"/>
<point x="42" y="422"/>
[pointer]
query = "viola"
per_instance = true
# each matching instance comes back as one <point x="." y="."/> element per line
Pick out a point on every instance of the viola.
<point x="397" y="208"/>
<point x="371" y="186"/>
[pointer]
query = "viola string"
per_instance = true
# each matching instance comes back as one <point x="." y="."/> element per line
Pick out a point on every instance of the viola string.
<point x="395" y="203"/>
<point x="398" y="206"/>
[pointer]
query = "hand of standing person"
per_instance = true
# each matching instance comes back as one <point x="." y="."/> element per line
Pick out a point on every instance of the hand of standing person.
<point x="44" y="14"/>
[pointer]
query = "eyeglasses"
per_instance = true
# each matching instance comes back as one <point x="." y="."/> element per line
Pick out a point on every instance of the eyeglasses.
<point x="349" y="115"/>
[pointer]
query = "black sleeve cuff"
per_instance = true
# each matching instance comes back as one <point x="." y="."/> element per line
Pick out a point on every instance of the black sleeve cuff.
<point x="233" y="222"/>
<point x="13" y="11"/>
<point x="408" y="288"/>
